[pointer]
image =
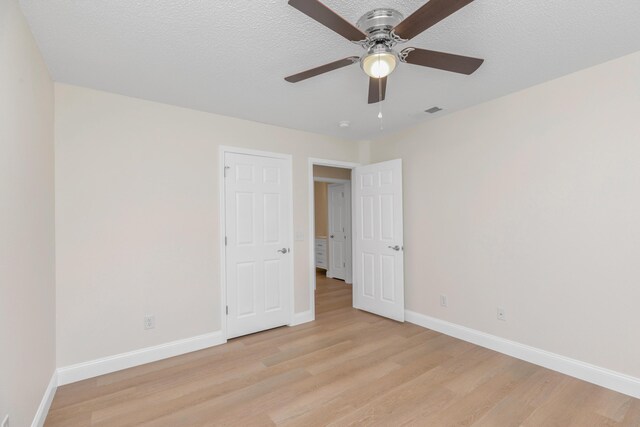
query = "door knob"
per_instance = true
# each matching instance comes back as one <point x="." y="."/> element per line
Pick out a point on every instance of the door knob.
<point x="395" y="248"/>
<point x="331" y="236"/>
<point x="283" y="250"/>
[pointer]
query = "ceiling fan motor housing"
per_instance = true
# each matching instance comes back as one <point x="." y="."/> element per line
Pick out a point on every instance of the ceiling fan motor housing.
<point x="378" y="24"/>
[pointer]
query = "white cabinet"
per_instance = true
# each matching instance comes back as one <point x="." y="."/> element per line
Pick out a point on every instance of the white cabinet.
<point x="321" y="253"/>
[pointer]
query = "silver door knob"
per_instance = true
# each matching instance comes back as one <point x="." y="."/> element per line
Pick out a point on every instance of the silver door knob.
<point x="283" y="250"/>
<point x="395" y="248"/>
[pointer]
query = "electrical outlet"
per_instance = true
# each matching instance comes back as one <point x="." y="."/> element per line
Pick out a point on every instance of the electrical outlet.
<point x="5" y="421"/>
<point x="149" y="321"/>
<point x="444" y="301"/>
<point x="501" y="314"/>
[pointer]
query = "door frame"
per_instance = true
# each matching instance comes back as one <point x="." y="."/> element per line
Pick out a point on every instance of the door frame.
<point x="349" y="253"/>
<point x="312" y="224"/>
<point x="222" y="151"/>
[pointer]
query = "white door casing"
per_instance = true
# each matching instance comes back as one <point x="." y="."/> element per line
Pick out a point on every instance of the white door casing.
<point x="258" y="259"/>
<point x="339" y="217"/>
<point x="378" y="239"/>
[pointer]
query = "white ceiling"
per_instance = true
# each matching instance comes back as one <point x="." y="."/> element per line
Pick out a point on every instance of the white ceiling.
<point x="230" y="56"/>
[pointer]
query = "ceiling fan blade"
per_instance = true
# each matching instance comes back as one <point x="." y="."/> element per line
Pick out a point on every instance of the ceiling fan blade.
<point x="377" y="89"/>
<point x="327" y="17"/>
<point x="442" y="61"/>
<point x="427" y="16"/>
<point x="322" y="69"/>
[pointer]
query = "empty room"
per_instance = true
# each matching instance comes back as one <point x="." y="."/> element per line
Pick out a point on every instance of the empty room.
<point x="319" y="213"/>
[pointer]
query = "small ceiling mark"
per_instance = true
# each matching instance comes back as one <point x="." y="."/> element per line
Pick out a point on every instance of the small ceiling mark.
<point x="433" y="110"/>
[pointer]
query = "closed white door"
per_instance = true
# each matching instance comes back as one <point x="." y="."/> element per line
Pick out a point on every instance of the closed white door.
<point x="338" y="201"/>
<point x="258" y="241"/>
<point x="378" y="285"/>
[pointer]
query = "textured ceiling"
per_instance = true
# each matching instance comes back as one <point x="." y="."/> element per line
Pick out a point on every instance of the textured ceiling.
<point x="230" y="56"/>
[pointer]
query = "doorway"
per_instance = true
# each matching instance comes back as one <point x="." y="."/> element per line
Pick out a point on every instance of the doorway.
<point x="377" y="248"/>
<point x="323" y="173"/>
<point x="332" y="238"/>
<point x="332" y="221"/>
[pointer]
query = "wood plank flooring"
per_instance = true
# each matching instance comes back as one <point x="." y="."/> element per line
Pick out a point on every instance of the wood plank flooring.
<point x="346" y="368"/>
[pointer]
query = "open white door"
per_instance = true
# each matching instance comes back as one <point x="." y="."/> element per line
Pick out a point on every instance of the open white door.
<point x="378" y="285"/>
<point x="258" y="241"/>
<point x="339" y="218"/>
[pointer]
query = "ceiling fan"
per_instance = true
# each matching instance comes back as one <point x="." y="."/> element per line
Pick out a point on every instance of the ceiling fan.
<point x="378" y="32"/>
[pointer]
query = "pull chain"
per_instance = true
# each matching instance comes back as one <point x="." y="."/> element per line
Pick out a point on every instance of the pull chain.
<point x="380" y="96"/>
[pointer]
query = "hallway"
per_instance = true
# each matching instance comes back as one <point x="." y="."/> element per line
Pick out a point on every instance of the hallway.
<point x="331" y="295"/>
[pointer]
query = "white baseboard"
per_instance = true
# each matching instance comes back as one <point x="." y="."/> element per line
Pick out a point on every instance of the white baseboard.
<point x="106" y="365"/>
<point x="304" y="317"/>
<point x="45" y="403"/>
<point x="594" y="374"/>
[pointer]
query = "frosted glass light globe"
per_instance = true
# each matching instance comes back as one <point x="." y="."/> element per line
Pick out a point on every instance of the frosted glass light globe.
<point x="379" y="64"/>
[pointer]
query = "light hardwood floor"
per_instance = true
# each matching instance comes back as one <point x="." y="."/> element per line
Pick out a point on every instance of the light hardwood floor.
<point x="346" y="368"/>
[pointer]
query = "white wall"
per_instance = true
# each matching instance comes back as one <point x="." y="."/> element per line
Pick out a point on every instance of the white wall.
<point x="137" y="217"/>
<point x="27" y="290"/>
<point x="532" y="202"/>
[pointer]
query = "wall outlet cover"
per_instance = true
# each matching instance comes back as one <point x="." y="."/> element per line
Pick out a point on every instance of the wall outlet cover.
<point x="149" y="322"/>
<point x="502" y="314"/>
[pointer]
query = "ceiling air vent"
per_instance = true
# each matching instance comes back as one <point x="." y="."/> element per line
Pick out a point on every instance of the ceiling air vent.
<point x="433" y="110"/>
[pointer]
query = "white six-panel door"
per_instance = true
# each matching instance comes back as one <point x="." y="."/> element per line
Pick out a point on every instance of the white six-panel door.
<point x="258" y="241"/>
<point x="378" y="285"/>
<point x="338" y="199"/>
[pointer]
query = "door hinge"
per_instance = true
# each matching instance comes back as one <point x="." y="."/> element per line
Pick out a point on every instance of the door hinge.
<point x="344" y="264"/>
<point x="225" y="170"/>
<point x="225" y="240"/>
<point x="343" y="194"/>
<point x="227" y="310"/>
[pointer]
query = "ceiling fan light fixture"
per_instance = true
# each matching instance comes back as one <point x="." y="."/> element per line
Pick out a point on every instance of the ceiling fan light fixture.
<point x="379" y="62"/>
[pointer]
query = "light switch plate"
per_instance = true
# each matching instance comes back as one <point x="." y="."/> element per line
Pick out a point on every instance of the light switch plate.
<point x="444" y="301"/>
